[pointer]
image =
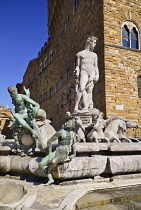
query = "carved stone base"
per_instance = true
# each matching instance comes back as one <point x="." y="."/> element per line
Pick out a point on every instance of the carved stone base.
<point x="81" y="167"/>
<point x="92" y="159"/>
<point x="25" y="144"/>
<point x="88" y="117"/>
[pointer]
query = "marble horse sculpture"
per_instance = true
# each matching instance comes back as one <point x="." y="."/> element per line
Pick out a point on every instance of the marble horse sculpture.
<point x="116" y="129"/>
<point x="97" y="134"/>
<point x="110" y="130"/>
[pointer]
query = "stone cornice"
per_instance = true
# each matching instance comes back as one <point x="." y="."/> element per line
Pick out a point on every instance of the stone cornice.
<point x="121" y="47"/>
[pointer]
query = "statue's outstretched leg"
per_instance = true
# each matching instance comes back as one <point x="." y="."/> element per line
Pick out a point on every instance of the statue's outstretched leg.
<point x="52" y="164"/>
<point x="89" y="92"/>
<point x="50" y="179"/>
<point x="81" y="91"/>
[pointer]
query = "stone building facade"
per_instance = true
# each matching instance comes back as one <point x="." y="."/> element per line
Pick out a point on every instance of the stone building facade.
<point x="117" y="26"/>
<point x="5" y="115"/>
<point x="122" y="64"/>
<point x="30" y="79"/>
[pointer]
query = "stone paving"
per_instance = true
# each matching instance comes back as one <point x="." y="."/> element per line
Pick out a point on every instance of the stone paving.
<point x="63" y="196"/>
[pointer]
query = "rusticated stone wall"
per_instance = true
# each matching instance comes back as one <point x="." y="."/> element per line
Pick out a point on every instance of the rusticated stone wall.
<point x="30" y="79"/>
<point x="115" y="13"/>
<point x="122" y="65"/>
<point x="121" y="83"/>
<point x="5" y="115"/>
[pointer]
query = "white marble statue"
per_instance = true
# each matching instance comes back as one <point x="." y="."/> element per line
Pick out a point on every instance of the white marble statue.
<point x="87" y="74"/>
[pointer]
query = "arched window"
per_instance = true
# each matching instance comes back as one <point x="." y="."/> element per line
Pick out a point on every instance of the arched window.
<point x="61" y="82"/>
<point x="51" y="92"/>
<point x="130" y="35"/>
<point x="40" y="67"/>
<point x="55" y="88"/>
<point x="61" y="37"/>
<point x="45" y="95"/>
<point x="75" y="6"/>
<point x="125" y="36"/>
<point x="34" y="75"/>
<point x="134" y="38"/>
<point x="68" y="74"/>
<point x="51" y="56"/>
<point x="45" y="62"/>
<point x="40" y="98"/>
<point x="67" y="23"/>
<point x="139" y="86"/>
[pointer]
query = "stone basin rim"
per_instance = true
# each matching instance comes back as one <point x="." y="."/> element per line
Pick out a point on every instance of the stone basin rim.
<point x="22" y="200"/>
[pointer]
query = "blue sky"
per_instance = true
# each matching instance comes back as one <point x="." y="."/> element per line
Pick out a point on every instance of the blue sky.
<point x="23" y="31"/>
